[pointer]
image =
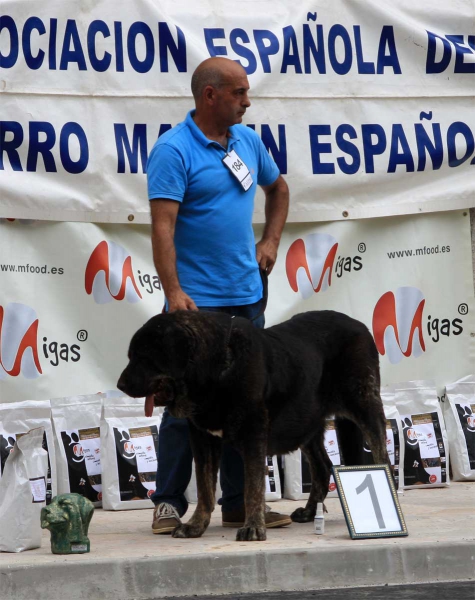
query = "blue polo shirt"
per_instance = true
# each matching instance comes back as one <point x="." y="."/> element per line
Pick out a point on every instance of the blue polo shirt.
<point x="214" y="239"/>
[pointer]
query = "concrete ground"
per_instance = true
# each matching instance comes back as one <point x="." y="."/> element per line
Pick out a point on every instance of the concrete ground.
<point x="127" y="562"/>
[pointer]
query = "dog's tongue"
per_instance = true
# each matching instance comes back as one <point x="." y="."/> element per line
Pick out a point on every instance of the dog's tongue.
<point x="149" y="404"/>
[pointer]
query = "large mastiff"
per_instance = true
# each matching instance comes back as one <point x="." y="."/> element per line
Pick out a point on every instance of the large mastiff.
<point x="264" y="391"/>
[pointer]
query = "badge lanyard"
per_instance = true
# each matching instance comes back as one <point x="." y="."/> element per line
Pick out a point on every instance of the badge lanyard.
<point x="239" y="169"/>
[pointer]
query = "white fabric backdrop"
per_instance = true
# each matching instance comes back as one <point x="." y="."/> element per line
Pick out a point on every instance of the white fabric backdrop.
<point x="74" y="293"/>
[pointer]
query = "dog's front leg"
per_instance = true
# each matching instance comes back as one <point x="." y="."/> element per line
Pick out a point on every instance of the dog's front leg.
<point x="254" y="456"/>
<point x="207" y="454"/>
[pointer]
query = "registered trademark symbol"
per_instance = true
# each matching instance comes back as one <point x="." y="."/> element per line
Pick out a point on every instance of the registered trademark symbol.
<point x="82" y="335"/>
<point x="463" y="308"/>
<point x="362" y="247"/>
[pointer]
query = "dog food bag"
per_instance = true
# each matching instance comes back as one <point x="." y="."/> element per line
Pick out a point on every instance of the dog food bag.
<point x="394" y="436"/>
<point x="16" y="419"/>
<point x="426" y="451"/>
<point x="23" y="493"/>
<point x="297" y="478"/>
<point x="77" y="422"/>
<point x="129" y="448"/>
<point x="273" y="488"/>
<point x="459" y="414"/>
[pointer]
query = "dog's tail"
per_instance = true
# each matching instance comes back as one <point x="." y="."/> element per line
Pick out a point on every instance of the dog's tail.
<point x="350" y="440"/>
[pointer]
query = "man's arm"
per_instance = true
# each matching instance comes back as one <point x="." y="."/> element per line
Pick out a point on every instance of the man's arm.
<point x="164" y="215"/>
<point x="276" y="209"/>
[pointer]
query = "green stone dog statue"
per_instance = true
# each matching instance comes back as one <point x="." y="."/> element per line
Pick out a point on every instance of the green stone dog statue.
<point x="68" y="517"/>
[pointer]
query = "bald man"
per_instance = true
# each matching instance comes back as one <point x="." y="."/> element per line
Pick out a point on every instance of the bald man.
<point x="202" y="178"/>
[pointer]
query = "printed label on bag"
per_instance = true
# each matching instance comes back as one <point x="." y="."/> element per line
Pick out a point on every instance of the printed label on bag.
<point x="424" y="458"/>
<point x="392" y="444"/>
<point x="333" y="450"/>
<point x="270" y="477"/>
<point x="136" y="450"/>
<point x="38" y="489"/>
<point x="83" y="453"/>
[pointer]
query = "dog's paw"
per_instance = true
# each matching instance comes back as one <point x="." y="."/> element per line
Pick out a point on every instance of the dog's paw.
<point x="187" y="531"/>
<point x="251" y="534"/>
<point x="302" y="515"/>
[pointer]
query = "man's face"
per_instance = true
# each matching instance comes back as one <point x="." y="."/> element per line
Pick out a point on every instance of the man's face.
<point x="231" y="100"/>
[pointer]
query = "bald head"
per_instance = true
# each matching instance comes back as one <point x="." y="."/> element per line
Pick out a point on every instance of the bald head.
<point x="215" y="71"/>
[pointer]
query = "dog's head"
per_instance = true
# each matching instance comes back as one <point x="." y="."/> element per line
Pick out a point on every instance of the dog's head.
<point x="173" y="351"/>
<point x="66" y="512"/>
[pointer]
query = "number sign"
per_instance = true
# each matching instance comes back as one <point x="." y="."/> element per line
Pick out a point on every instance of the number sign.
<point x="369" y="501"/>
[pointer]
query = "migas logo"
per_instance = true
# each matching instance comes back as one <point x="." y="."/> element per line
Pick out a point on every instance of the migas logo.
<point x="398" y="324"/>
<point x="19" y="348"/>
<point x="310" y="263"/>
<point x="18" y="341"/>
<point x="128" y="448"/>
<point x="109" y="275"/>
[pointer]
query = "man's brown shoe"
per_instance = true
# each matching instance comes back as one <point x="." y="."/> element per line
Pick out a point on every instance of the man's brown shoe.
<point x="165" y="518"/>
<point x="235" y="518"/>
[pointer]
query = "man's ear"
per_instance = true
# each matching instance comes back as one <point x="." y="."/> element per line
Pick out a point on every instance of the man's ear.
<point x="209" y="94"/>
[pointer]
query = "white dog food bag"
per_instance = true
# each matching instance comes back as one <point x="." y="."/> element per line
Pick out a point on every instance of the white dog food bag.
<point x="394" y="437"/>
<point x="459" y="414"/>
<point x="16" y="419"/>
<point x="297" y="478"/>
<point x="273" y="488"/>
<point x="129" y="442"/>
<point x="426" y="451"/>
<point x="76" y="421"/>
<point x="23" y="493"/>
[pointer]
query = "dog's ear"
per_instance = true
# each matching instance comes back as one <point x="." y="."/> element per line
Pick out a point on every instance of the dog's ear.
<point x="228" y="363"/>
<point x="86" y="510"/>
<point x="184" y="345"/>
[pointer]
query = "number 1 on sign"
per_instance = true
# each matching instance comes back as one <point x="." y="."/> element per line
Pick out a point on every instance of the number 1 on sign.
<point x="368" y="484"/>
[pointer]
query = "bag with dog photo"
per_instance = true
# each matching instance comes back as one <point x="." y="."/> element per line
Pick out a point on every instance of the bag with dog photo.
<point x="76" y="423"/>
<point x="394" y="436"/>
<point x="273" y="487"/>
<point x="426" y="451"/>
<point x="297" y="479"/>
<point x="23" y="493"/>
<point x="459" y="414"/>
<point x="129" y="442"/>
<point x="16" y="419"/>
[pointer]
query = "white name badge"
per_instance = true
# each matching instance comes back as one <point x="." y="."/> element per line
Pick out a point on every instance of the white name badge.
<point x="238" y="169"/>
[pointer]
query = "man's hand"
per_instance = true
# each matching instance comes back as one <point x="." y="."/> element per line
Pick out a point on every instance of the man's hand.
<point x="266" y="255"/>
<point x="277" y="206"/>
<point x="180" y="301"/>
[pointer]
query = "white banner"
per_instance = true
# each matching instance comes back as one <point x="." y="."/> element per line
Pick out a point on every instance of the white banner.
<point x="73" y="294"/>
<point x="367" y="107"/>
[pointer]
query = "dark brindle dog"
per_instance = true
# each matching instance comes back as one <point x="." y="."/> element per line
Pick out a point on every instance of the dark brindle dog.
<point x="264" y="391"/>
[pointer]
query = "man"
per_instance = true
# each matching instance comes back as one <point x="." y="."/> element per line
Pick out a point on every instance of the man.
<point x="202" y="177"/>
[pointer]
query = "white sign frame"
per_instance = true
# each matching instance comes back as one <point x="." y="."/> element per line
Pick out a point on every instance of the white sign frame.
<point x="384" y="518"/>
